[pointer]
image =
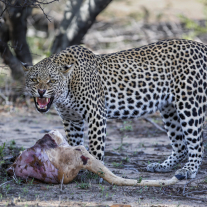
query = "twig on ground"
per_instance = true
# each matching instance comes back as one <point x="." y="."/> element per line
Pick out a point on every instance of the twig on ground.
<point x="202" y="191"/>
<point x="6" y="182"/>
<point x="186" y="186"/>
<point x="61" y="186"/>
<point x="14" y="176"/>
<point x="154" y="124"/>
<point x="185" y="194"/>
<point x="181" y="197"/>
<point x="197" y="198"/>
<point x="191" y="181"/>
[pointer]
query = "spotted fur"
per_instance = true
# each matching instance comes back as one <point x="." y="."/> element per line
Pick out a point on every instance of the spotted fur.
<point x="169" y="76"/>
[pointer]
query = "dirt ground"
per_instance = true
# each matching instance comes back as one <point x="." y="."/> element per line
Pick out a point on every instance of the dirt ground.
<point x="130" y="146"/>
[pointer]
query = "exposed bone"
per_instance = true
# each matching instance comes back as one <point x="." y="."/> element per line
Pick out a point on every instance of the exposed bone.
<point x="52" y="160"/>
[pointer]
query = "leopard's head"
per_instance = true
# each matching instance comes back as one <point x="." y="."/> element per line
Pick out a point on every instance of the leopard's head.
<point x="46" y="82"/>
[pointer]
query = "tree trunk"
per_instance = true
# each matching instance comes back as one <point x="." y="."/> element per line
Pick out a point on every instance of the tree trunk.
<point x="13" y="36"/>
<point x="16" y="19"/>
<point x="78" y="18"/>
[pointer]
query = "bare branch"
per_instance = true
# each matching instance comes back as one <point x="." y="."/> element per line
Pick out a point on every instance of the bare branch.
<point x="25" y="4"/>
<point x="47" y="17"/>
<point x="78" y="24"/>
<point x="3" y="11"/>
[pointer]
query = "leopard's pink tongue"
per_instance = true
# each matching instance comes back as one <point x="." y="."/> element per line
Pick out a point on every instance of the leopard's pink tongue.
<point x="43" y="102"/>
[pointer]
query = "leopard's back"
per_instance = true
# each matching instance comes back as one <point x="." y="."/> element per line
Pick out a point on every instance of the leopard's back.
<point x="143" y="80"/>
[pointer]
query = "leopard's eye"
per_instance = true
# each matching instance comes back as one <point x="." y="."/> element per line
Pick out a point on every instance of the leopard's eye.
<point x="52" y="81"/>
<point x="34" y="80"/>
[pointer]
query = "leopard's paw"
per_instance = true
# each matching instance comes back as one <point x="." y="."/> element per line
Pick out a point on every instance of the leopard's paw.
<point x="153" y="167"/>
<point x="184" y="174"/>
<point x="157" y="167"/>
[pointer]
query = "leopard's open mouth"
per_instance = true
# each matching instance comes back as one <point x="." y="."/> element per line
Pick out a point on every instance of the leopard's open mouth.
<point x="43" y="104"/>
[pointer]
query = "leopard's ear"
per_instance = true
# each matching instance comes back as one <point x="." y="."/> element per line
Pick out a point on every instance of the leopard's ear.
<point x="26" y="67"/>
<point x="67" y="68"/>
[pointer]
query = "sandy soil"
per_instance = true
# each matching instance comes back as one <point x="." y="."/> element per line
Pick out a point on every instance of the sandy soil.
<point x="163" y="10"/>
<point x="130" y="146"/>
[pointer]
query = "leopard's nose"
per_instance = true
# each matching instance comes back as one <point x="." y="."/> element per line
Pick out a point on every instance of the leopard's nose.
<point x="41" y="92"/>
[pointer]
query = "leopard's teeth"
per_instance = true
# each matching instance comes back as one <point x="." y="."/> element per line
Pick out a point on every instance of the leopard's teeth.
<point x="45" y="107"/>
<point x="47" y="100"/>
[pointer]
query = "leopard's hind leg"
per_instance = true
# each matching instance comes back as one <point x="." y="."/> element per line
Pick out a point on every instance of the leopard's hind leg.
<point x="192" y="121"/>
<point x="174" y="131"/>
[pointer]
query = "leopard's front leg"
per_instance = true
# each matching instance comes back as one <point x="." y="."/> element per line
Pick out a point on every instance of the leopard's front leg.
<point x="74" y="131"/>
<point x="97" y="136"/>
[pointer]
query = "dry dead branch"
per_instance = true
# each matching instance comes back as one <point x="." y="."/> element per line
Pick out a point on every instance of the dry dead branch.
<point x="25" y="4"/>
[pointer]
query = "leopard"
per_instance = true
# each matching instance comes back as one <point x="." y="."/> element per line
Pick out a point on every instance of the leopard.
<point x="169" y="76"/>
